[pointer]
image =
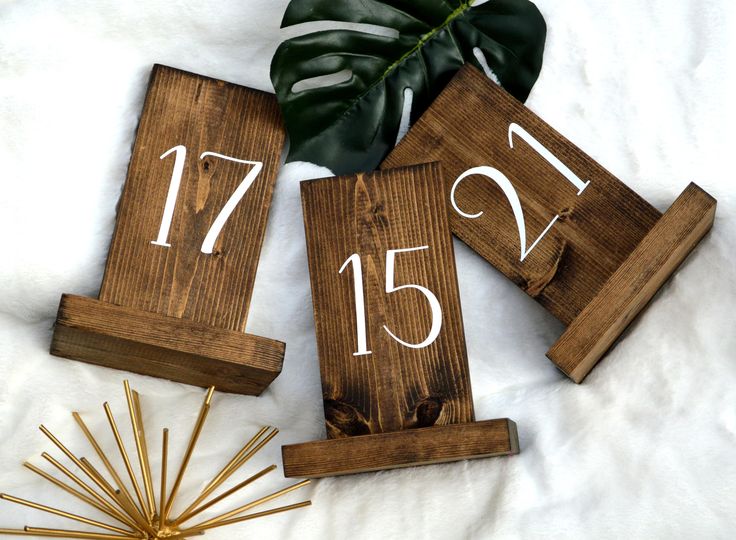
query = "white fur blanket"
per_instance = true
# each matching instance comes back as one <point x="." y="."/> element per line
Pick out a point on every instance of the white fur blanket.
<point x="645" y="448"/>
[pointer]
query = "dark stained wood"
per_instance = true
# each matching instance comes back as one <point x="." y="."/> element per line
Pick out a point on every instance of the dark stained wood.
<point x="395" y="387"/>
<point x="179" y="281"/>
<point x="204" y="115"/>
<point x="597" y="230"/>
<point x="634" y="283"/>
<point x="385" y="398"/>
<point x="467" y="126"/>
<point x="153" y="344"/>
<point x="424" y="446"/>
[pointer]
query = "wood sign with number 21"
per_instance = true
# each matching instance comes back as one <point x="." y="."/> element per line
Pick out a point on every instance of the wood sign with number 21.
<point x="599" y="251"/>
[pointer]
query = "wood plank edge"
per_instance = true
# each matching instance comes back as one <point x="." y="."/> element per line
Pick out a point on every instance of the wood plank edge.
<point x="97" y="345"/>
<point x="394" y="450"/>
<point x="157" y="67"/>
<point x="698" y="208"/>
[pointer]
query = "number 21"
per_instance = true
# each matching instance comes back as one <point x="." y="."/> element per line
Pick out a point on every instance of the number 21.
<point x="508" y="190"/>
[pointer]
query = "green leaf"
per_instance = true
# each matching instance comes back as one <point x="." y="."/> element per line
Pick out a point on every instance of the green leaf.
<point x="350" y="126"/>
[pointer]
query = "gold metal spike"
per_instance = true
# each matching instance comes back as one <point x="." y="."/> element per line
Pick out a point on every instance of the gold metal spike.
<point x="141" y="516"/>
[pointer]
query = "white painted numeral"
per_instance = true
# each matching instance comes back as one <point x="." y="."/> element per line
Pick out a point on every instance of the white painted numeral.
<point x="354" y="259"/>
<point x="434" y="304"/>
<point x="391" y="287"/>
<point x="505" y="184"/>
<point x="179" y="161"/>
<point x="176" y="176"/>
<point x="540" y="149"/>
<point x="508" y="189"/>
<point x="232" y="202"/>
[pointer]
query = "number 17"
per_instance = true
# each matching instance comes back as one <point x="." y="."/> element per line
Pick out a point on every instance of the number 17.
<point x="180" y="159"/>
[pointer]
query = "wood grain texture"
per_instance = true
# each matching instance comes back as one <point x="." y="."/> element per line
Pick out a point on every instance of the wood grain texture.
<point x="153" y="344"/>
<point x="634" y="283"/>
<point x="467" y="126"/>
<point x="398" y="406"/>
<point x="408" y="448"/>
<point x="578" y="271"/>
<point x="205" y="115"/>
<point x="395" y="387"/>
<point x="168" y="309"/>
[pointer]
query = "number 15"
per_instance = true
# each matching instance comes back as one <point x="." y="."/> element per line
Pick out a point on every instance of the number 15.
<point x="360" y="314"/>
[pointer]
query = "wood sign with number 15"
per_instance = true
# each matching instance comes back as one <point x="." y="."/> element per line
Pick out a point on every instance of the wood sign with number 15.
<point x="394" y="367"/>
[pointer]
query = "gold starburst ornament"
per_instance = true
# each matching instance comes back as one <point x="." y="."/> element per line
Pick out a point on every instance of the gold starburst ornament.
<point x="141" y="515"/>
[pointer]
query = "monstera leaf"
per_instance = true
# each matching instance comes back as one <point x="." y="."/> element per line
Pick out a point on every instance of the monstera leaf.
<point x="351" y="125"/>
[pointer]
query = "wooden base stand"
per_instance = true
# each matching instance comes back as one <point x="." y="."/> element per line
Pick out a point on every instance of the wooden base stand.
<point x="634" y="283"/>
<point x="153" y="344"/>
<point x="409" y="448"/>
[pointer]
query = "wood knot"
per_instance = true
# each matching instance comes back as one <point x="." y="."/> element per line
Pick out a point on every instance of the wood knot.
<point x="344" y="420"/>
<point x="564" y="214"/>
<point x="535" y="286"/>
<point x="379" y="214"/>
<point x="426" y="412"/>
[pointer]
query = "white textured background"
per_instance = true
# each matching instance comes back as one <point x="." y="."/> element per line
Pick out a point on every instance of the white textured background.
<point x="646" y="448"/>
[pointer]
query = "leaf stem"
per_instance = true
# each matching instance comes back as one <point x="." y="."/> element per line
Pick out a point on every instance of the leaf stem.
<point x="464" y="6"/>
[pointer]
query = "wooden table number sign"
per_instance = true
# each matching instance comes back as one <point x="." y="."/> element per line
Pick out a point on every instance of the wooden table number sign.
<point x="390" y="336"/>
<point x="183" y="258"/>
<point x="555" y="222"/>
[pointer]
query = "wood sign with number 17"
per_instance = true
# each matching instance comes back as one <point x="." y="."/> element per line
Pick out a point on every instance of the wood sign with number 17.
<point x="182" y="263"/>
